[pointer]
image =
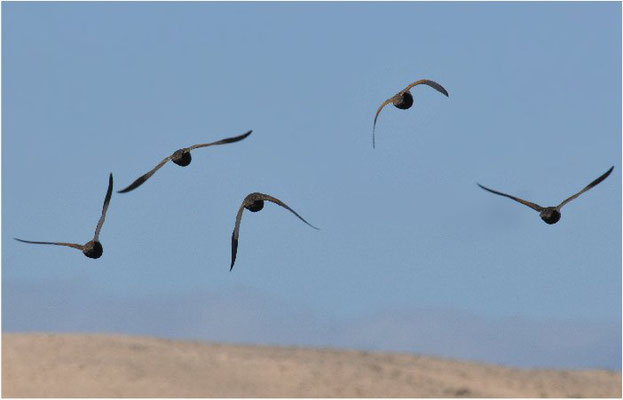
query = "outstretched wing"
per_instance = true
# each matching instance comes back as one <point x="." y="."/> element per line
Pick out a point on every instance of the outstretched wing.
<point x="589" y="186"/>
<point x="524" y="202"/>
<point x="386" y="102"/>
<point x="234" y="235"/>
<point x="139" y="181"/>
<point x="223" y="141"/>
<point x="74" y="245"/>
<point x="427" y="82"/>
<point x="275" y="200"/>
<point x="104" y="208"/>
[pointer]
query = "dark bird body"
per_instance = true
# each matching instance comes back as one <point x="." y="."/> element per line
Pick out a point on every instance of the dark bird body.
<point x="182" y="158"/>
<point x="254" y="202"/>
<point x="404" y="100"/>
<point x="93" y="248"/>
<point x="552" y="214"/>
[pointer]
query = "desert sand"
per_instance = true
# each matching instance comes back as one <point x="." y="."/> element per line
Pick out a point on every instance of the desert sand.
<point x="66" y="365"/>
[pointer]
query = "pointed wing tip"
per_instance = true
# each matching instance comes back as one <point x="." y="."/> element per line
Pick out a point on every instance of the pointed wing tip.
<point x="132" y="186"/>
<point x="608" y="172"/>
<point x="433" y="84"/>
<point x="605" y="175"/>
<point x="444" y="91"/>
<point x="374" y="134"/>
<point x="22" y="240"/>
<point x="245" y="135"/>
<point x="483" y="187"/>
<point x="233" y="258"/>
<point x="234" y="250"/>
<point x="110" y="182"/>
<point x="311" y="226"/>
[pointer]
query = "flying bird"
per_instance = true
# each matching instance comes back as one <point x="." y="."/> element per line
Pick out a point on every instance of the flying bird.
<point x="404" y="100"/>
<point x="551" y="215"/>
<point x="254" y="202"/>
<point x="182" y="158"/>
<point x="93" y="248"/>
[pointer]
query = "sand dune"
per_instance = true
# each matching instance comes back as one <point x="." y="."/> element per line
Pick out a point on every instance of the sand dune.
<point x="61" y="365"/>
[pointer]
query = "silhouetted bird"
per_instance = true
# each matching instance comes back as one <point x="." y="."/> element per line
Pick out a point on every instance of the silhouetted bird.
<point x="92" y="248"/>
<point x="551" y="215"/>
<point x="182" y="158"/>
<point x="254" y="202"/>
<point x="404" y="100"/>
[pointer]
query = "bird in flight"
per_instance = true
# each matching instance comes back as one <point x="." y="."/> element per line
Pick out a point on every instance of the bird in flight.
<point x="93" y="248"/>
<point x="551" y="215"/>
<point x="182" y="158"/>
<point x="254" y="202"/>
<point x="404" y="100"/>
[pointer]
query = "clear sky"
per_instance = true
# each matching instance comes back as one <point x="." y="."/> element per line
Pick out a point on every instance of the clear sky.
<point x="411" y="255"/>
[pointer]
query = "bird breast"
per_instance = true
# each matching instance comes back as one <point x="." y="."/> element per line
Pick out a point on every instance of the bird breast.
<point x="182" y="159"/>
<point x="403" y="101"/>
<point x="93" y="249"/>
<point x="255" y="206"/>
<point x="550" y="216"/>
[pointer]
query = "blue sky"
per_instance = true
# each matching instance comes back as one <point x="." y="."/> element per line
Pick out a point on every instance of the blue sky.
<point x="411" y="255"/>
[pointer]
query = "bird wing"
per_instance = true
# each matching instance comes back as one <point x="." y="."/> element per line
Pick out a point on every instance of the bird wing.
<point x="235" y="234"/>
<point x="275" y="200"/>
<point x="139" y="181"/>
<point x="104" y="208"/>
<point x="589" y="186"/>
<point x="386" y="102"/>
<point x="74" y="245"/>
<point x="222" y="141"/>
<point x="427" y="82"/>
<point x="524" y="202"/>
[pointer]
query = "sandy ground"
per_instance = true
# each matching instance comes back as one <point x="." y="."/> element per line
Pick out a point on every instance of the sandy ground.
<point x="59" y="365"/>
